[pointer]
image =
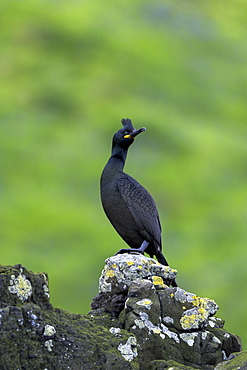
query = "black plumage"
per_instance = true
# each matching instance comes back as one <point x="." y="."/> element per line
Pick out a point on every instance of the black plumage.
<point x="127" y="204"/>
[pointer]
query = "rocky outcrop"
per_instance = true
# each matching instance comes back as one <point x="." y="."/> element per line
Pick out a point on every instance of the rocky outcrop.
<point x="36" y="336"/>
<point x="137" y="322"/>
<point x="168" y="323"/>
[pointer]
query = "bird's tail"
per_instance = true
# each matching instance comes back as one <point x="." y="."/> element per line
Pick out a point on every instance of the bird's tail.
<point x="161" y="259"/>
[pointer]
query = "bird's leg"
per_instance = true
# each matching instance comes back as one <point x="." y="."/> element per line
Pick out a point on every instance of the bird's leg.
<point x="141" y="250"/>
<point x="144" y="246"/>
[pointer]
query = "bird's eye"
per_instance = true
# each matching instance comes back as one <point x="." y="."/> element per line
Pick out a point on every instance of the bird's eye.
<point x="126" y="133"/>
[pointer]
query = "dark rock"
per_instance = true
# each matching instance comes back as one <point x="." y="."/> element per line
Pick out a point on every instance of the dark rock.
<point x="18" y="286"/>
<point x="163" y="365"/>
<point x="39" y="337"/>
<point x="136" y="322"/>
<point x="237" y="361"/>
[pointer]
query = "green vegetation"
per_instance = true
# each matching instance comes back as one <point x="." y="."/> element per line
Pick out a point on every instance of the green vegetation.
<point x="69" y="72"/>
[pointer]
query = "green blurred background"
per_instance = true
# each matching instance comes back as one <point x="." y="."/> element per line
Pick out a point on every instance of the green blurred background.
<point x="70" y="71"/>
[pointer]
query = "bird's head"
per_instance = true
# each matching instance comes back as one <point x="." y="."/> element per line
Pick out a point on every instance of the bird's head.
<point x="126" y="135"/>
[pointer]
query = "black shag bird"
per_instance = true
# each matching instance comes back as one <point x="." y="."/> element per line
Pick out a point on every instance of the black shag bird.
<point x="127" y="204"/>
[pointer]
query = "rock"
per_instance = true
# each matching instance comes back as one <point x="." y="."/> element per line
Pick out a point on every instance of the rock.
<point x="167" y="365"/>
<point x="137" y="323"/>
<point x="118" y="274"/>
<point x="169" y="323"/>
<point x="34" y="335"/>
<point x="18" y="286"/>
<point x="236" y="361"/>
<point x="188" y="311"/>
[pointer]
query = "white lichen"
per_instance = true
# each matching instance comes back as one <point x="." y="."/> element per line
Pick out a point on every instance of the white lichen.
<point x="161" y="330"/>
<point x="46" y="291"/>
<point x="49" y="331"/>
<point x="128" y="350"/>
<point x="148" y="324"/>
<point x="215" y="322"/>
<point x="170" y="333"/>
<point x="216" y="340"/>
<point x="211" y="323"/>
<point x="45" y="287"/>
<point x="189" y="338"/>
<point x="20" y="286"/>
<point x="182" y="296"/>
<point x="49" y="344"/>
<point x="33" y="319"/>
<point x="225" y="358"/>
<point x="114" y="331"/>
<point x="168" y="320"/>
<point x="139" y="323"/>
<point x="204" y="334"/>
<point x="105" y="287"/>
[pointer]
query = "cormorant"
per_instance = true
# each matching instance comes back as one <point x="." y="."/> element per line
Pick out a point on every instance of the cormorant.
<point x="127" y="204"/>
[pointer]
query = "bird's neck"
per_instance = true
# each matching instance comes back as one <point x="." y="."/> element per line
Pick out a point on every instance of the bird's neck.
<point x="118" y="158"/>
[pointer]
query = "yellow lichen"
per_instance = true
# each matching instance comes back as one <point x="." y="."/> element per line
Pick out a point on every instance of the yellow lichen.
<point x="192" y="318"/>
<point x="198" y="301"/>
<point x="157" y="280"/>
<point x="189" y="321"/>
<point x="157" y="331"/>
<point x="130" y="263"/>
<point x="201" y="304"/>
<point x="110" y="273"/>
<point x="145" y="302"/>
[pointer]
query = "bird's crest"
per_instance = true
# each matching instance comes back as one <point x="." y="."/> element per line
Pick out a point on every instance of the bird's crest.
<point x="127" y="122"/>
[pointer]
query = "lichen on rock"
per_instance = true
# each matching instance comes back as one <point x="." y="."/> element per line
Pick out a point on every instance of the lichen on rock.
<point x="49" y="331"/>
<point x="139" y="324"/>
<point x="128" y="350"/>
<point x="197" y="316"/>
<point x="168" y="323"/>
<point x="20" y="286"/>
<point x="123" y="269"/>
<point x="120" y="271"/>
<point x="23" y="286"/>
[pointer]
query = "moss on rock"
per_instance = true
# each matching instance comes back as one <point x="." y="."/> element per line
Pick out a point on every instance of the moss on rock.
<point x="134" y="326"/>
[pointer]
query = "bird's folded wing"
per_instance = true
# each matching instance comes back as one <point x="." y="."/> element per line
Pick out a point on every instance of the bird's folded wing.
<point x="141" y="205"/>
